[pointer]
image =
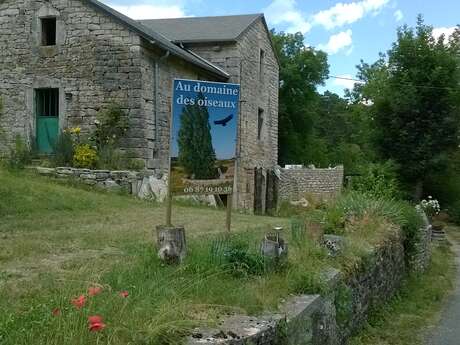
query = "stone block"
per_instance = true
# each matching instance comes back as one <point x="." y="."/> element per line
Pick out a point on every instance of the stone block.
<point x="46" y="171"/>
<point x="65" y="171"/>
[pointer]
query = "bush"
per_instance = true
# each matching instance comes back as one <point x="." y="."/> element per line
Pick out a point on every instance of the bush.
<point x="379" y="180"/>
<point x="64" y="150"/>
<point x="334" y="220"/>
<point x="85" y="156"/>
<point x="355" y="205"/>
<point x="236" y="255"/>
<point x="20" y="154"/>
<point x="111" y="126"/>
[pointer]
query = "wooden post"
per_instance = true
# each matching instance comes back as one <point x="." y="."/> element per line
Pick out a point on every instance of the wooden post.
<point x="229" y="212"/>
<point x="169" y="198"/>
<point x="168" y="207"/>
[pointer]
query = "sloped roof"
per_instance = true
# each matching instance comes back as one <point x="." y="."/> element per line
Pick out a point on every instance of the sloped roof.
<point x="161" y="41"/>
<point x="202" y="29"/>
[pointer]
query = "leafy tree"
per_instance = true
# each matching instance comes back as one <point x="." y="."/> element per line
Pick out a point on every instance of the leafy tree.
<point x="344" y="130"/>
<point x="301" y="70"/>
<point x="196" y="153"/>
<point x="416" y="101"/>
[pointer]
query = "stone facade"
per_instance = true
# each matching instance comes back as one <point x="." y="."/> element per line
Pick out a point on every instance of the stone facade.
<point x="295" y="184"/>
<point x="98" y="60"/>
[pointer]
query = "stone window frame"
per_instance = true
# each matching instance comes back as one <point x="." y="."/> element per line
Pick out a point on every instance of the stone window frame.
<point x="48" y="24"/>
<point x="48" y="11"/>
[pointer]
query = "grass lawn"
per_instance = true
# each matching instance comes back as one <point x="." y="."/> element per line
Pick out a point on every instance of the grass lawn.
<point x="405" y="319"/>
<point x="56" y="241"/>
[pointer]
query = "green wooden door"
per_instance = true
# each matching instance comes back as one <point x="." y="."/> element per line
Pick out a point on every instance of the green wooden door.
<point x="47" y="115"/>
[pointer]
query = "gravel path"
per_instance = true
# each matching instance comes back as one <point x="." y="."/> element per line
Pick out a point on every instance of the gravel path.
<point x="447" y="332"/>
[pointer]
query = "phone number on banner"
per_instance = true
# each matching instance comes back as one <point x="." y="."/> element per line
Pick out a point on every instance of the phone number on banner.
<point x="208" y="190"/>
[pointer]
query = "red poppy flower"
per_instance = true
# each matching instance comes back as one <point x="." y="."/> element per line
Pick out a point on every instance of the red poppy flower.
<point x="79" y="302"/>
<point x="56" y="312"/>
<point x="124" y="294"/>
<point x="94" y="290"/>
<point x="96" y="323"/>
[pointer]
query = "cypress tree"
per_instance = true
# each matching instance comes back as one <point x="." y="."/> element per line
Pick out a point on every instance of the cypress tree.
<point x="196" y="153"/>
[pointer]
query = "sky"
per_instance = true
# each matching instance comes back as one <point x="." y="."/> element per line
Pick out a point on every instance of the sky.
<point x="349" y="31"/>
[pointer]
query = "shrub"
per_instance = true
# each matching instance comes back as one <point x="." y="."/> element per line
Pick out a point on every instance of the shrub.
<point x="379" y="180"/>
<point x="64" y="149"/>
<point x="111" y="126"/>
<point x="236" y="255"/>
<point x="355" y="205"/>
<point x="20" y="154"/>
<point x="334" y="220"/>
<point x="85" y="156"/>
<point x="430" y="207"/>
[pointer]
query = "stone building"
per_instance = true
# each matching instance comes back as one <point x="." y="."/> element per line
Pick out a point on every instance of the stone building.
<point x="61" y="61"/>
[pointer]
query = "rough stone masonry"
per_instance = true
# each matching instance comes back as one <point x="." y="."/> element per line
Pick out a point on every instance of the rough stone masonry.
<point x="98" y="57"/>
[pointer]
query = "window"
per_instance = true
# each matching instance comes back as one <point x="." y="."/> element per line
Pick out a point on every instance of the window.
<point x="47" y="102"/>
<point x="48" y="31"/>
<point x="260" y="123"/>
<point x="261" y="65"/>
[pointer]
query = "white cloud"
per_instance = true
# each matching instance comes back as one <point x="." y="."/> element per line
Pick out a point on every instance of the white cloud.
<point x="146" y="11"/>
<point x="347" y="13"/>
<point x="437" y="32"/>
<point x="337" y="42"/>
<point x="398" y="15"/>
<point x="286" y="12"/>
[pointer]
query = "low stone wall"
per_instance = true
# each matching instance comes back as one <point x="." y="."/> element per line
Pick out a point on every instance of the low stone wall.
<point x="422" y="247"/>
<point x="144" y="185"/>
<point x="295" y="184"/>
<point x="328" y="319"/>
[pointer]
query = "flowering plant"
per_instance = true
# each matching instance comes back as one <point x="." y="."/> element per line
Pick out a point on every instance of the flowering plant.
<point x="430" y="206"/>
<point x="95" y="322"/>
<point x="85" y="156"/>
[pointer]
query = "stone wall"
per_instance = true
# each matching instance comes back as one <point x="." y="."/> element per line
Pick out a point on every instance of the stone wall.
<point x="422" y="248"/>
<point x="95" y="62"/>
<point x="144" y="185"/>
<point x="295" y="184"/>
<point x="327" y="319"/>
<point x="119" y="180"/>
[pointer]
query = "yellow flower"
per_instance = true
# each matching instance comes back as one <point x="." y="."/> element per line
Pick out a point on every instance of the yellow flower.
<point x="76" y="130"/>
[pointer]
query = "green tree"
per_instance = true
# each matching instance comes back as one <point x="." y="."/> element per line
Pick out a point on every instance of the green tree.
<point x="196" y="153"/>
<point x="414" y="89"/>
<point x="302" y="69"/>
<point x="342" y="131"/>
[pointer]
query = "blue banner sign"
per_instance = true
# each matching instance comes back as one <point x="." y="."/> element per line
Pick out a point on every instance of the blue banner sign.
<point x="204" y="136"/>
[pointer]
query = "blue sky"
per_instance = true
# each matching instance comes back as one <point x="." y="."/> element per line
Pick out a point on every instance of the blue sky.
<point x="348" y="30"/>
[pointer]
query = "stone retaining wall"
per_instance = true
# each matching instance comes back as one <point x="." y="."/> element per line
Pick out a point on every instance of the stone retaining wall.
<point x="328" y="319"/>
<point x="295" y="184"/>
<point x="145" y="185"/>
